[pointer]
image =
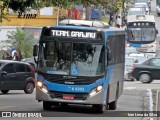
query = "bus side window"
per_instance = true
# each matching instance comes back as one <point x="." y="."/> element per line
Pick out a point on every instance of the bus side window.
<point x="108" y="55"/>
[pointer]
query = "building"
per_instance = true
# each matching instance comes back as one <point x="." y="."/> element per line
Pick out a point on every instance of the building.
<point x="44" y="17"/>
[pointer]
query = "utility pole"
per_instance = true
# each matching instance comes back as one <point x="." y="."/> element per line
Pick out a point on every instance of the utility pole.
<point x="100" y="13"/>
<point x="57" y="15"/>
<point x="88" y="13"/>
<point x="123" y="11"/>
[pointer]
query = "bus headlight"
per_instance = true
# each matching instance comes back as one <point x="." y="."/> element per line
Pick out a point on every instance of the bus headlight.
<point x="99" y="88"/>
<point x="42" y="87"/>
<point x="40" y="84"/>
<point x="96" y="90"/>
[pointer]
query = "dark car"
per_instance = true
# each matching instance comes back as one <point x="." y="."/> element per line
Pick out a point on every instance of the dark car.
<point x="15" y="75"/>
<point x="147" y="71"/>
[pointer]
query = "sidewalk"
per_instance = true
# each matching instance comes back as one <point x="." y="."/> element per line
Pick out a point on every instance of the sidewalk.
<point x="147" y="101"/>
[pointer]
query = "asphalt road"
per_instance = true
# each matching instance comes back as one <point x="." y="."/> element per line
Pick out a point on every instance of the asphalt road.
<point x="157" y="19"/>
<point x="135" y="97"/>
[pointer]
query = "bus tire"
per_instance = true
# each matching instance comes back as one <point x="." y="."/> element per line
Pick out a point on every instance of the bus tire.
<point x="113" y="105"/>
<point x="99" y="108"/>
<point x="47" y="105"/>
<point x="4" y="91"/>
<point x="29" y="87"/>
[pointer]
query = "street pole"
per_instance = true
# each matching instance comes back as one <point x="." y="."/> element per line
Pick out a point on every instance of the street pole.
<point x="57" y="15"/>
<point x="123" y="12"/>
<point x="88" y="12"/>
<point x="100" y="13"/>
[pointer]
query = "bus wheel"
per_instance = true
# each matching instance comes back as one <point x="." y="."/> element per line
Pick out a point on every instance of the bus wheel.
<point x="99" y="108"/>
<point x="4" y="91"/>
<point x="47" y="105"/>
<point x="113" y="105"/>
<point x="29" y="88"/>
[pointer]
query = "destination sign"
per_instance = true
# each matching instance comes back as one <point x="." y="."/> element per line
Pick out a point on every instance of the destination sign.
<point x="74" y="34"/>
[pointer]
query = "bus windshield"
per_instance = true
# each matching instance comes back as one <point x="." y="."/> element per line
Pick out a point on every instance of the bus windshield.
<point x="143" y="34"/>
<point x="66" y="58"/>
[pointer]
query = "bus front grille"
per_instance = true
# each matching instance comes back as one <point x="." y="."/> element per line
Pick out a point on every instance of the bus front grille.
<point x="75" y="81"/>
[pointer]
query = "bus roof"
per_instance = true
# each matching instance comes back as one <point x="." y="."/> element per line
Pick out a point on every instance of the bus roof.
<point x="140" y="18"/>
<point x="85" y="23"/>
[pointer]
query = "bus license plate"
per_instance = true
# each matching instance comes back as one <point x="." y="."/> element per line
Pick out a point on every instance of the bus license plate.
<point x="68" y="97"/>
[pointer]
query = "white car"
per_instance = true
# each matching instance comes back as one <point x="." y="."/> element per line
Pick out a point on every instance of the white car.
<point x="151" y="55"/>
<point x="144" y="1"/>
<point x="30" y="61"/>
<point x="136" y="11"/>
<point x="129" y="61"/>
<point x="145" y="5"/>
<point x="140" y="57"/>
<point x="130" y="50"/>
<point x="158" y="9"/>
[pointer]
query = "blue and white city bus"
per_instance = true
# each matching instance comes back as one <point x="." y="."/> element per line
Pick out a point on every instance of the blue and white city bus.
<point x="80" y="62"/>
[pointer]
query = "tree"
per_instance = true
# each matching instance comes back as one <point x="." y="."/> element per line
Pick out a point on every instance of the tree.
<point x="22" y="41"/>
<point x="21" y="5"/>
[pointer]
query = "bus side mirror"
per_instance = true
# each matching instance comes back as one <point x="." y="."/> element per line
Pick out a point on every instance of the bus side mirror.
<point x="35" y="50"/>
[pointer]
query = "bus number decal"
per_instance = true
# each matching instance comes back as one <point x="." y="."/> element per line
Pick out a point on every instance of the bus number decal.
<point x="62" y="33"/>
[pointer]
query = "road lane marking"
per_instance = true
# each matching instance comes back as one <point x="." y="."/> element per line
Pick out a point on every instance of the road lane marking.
<point x="149" y="93"/>
<point x="157" y="92"/>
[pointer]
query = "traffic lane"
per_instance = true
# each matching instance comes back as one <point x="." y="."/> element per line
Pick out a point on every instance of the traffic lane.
<point x="141" y="86"/>
<point x="129" y="101"/>
<point x="17" y="100"/>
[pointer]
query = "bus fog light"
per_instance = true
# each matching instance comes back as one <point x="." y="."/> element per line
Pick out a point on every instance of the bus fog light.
<point x="44" y="89"/>
<point x="99" y="88"/>
<point x="40" y="84"/>
<point x="93" y="92"/>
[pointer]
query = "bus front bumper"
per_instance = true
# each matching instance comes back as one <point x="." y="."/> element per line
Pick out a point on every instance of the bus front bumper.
<point x="80" y="98"/>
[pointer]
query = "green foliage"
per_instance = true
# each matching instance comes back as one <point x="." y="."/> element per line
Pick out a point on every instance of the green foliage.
<point x="22" y="41"/>
<point x="105" y="20"/>
<point x="21" y="5"/>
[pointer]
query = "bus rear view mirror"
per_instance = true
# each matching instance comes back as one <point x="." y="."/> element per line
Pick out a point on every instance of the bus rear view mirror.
<point x="35" y="50"/>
